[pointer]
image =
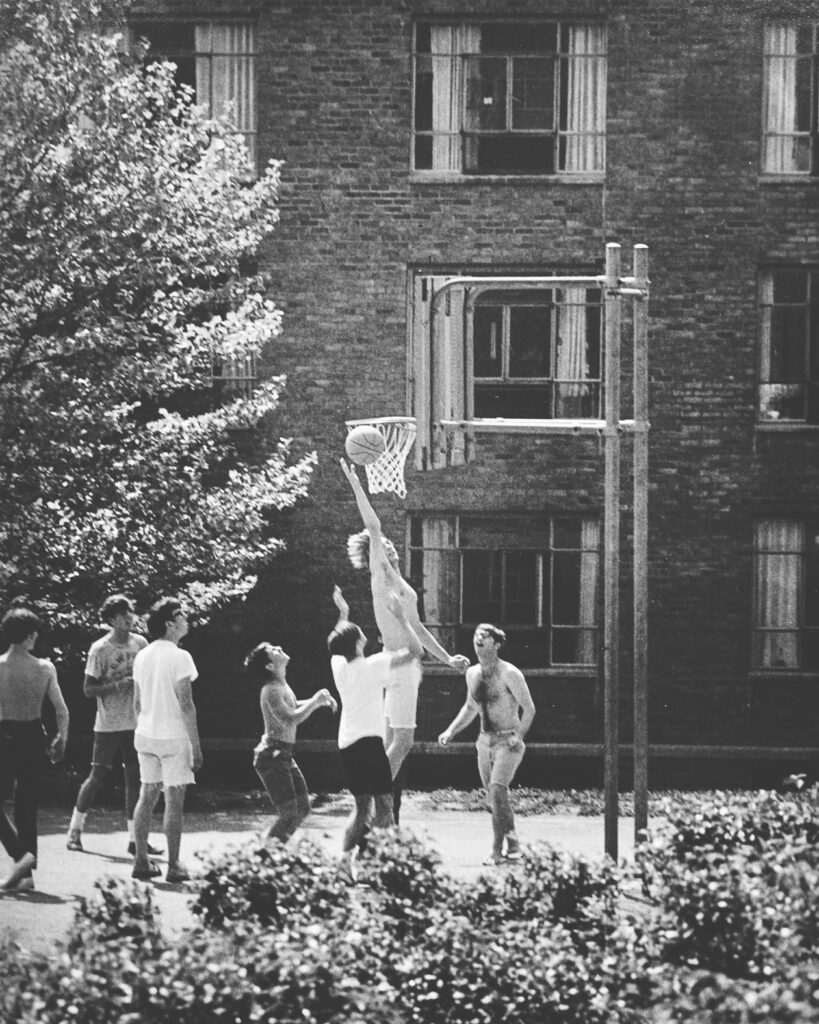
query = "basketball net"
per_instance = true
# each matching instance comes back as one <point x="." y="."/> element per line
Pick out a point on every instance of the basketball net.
<point x="387" y="472"/>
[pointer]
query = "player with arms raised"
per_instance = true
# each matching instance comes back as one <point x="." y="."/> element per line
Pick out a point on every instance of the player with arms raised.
<point x="370" y="549"/>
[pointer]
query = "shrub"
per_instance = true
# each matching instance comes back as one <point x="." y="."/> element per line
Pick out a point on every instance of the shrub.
<point x="117" y="911"/>
<point x="272" y="883"/>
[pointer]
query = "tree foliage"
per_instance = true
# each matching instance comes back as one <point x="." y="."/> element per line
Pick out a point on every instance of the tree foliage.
<point x="129" y="228"/>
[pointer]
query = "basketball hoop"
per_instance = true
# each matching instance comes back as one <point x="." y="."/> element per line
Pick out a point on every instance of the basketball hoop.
<point x="387" y="472"/>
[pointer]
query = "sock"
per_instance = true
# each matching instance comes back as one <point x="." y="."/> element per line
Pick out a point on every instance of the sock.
<point x="77" y="821"/>
<point x="131" y="834"/>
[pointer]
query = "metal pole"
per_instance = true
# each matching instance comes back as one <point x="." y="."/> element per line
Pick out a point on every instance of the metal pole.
<point x="611" y="574"/>
<point x="641" y="544"/>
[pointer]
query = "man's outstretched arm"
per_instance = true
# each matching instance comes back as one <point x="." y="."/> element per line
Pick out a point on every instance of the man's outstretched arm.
<point x="369" y="517"/>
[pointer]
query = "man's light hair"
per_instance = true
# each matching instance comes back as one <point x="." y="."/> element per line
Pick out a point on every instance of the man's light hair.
<point x="358" y="550"/>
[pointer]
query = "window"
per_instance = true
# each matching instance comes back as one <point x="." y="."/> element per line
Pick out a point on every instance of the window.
<point x="496" y="97"/>
<point x="789" y="346"/>
<point x="234" y="378"/>
<point x="534" y="576"/>
<point x="512" y="352"/>
<point x="217" y="60"/>
<point x="791" y="91"/>
<point x="786" y="595"/>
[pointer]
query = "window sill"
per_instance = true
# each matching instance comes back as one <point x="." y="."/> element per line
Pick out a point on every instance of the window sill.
<point x="788" y="179"/>
<point x="776" y="675"/>
<point x="554" y="426"/>
<point x="443" y="178"/>
<point x="786" y="427"/>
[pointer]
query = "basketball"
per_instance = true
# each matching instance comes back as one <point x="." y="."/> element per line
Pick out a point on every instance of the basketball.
<point x="364" y="444"/>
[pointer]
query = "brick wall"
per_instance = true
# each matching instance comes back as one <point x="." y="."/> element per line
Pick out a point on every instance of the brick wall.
<point x="684" y="100"/>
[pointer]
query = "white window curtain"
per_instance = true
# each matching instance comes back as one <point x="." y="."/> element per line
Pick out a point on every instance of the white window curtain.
<point x="571" y="358"/>
<point x="586" y="653"/>
<point x="586" y="101"/>
<point x="448" y="392"/>
<point x="780" y="147"/>
<point x="448" y="44"/>
<point x="441" y="583"/>
<point x="779" y="546"/>
<point x="225" y="80"/>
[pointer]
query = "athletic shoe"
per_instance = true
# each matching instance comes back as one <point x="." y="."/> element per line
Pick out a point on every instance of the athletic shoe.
<point x="513" y="851"/>
<point x="74" y="841"/>
<point x="152" y="850"/>
<point x="25" y="884"/>
<point x="145" y="874"/>
<point x="177" y="875"/>
<point x="21" y="872"/>
<point x="493" y="860"/>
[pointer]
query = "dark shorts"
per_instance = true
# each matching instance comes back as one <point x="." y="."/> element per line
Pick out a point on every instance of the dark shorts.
<point x="280" y="776"/>
<point x="367" y="767"/>
<point x="111" y="748"/>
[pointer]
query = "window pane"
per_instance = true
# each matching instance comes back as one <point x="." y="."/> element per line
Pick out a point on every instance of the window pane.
<point x="488" y="341"/>
<point x="812" y="589"/>
<point x="423" y="94"/>
<point x="565" y="645"/>
<point x="482" y="586"/>
<point x="529" y="341"/>
<point x="423" y="152"/>
<point x="521" y="587"/>
<point x="514" y="401"/>
<point x="507" y="532"/>
<point x="566" y="588"/>
<point x="567" y="533"/>
<point x="804" y="79"/>
<point x="513" y="154"/>
<point x="790" y="286"/>
<point x="519" y="37"/>
<point x="788" y="334"/>
<point x="487" y="92"/>
<point x="533" y="93"/>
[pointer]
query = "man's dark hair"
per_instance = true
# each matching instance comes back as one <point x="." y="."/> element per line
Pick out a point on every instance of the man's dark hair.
<point x="114" y="605"/>
<point x="496" y="633"/>
<point x="344" y="640"/>
<point x="18" y="624"/>
<point x="257" y="661"/>
<point x="164" y="611"/>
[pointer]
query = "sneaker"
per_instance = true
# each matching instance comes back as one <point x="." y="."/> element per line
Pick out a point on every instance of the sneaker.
<point x="152" y="850"/>
<point x="176" y="875"/>
<point x="74" y="841"/>
<point x="513" y="852"/>
<point x="493" y="860"/>
<point x="145" y="874"/>
<point x="25" y="884"/>
<point x="20" y="873"/>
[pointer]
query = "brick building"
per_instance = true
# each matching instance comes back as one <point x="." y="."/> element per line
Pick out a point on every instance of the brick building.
<point x="425" y="139"/>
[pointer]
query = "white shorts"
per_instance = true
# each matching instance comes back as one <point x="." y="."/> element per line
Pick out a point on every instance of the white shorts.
<point x="401" y="698"/>
<point x="164" y="762"/>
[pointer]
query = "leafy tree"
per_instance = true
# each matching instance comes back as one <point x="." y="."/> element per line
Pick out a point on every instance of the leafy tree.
<point x="129" y="228"/>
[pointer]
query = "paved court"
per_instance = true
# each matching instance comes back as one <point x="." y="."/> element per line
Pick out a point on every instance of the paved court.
<point x="463" y="839"/>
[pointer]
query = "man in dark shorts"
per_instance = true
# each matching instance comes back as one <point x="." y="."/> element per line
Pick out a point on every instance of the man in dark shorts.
<point x="109" y="677"/>
<point x="361" y="683"/>
<point x="497" y="692"/>
<point x="273" y="758"/>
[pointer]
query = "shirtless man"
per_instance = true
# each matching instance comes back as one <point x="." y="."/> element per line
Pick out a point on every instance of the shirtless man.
<point x="273" y="757"/>
<point x="497" y="692"/>
<point x="372" y="549"/>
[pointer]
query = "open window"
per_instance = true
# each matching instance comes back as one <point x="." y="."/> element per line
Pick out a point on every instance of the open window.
<point x="790" y="112"/>
<point x="509" y="97"/>
<point x="536" y="576"/>
<point x="217" y="59"/>
<point x="513" y="353"/>
<point x="789" y="346"/>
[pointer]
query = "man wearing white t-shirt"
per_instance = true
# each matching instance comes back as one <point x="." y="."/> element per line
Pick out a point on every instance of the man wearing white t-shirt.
<point x="361" y="683"/>
<point x="167" y="735"/>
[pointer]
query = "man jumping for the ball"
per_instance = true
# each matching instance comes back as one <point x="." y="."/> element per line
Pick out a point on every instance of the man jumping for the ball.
<point x="370" y="548"/>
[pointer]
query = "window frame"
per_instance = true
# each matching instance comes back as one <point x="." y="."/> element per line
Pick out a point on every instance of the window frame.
<point x="458" y="634"/>
<point x="766" y="417"/>
<point x="775" y="105"/>
<point x="559" y="133"/>
<point x="139" y="22"/>
<point x="800" y="631"/>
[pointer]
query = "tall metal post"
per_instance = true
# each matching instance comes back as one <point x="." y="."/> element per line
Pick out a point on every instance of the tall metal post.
<point x="611" y="573"/>
<point x="641" y="427"/>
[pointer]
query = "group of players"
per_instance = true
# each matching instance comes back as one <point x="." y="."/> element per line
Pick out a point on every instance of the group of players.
<point x="146" y="717"/>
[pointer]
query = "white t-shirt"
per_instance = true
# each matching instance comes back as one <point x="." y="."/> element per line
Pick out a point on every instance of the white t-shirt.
<point x="360" y="684"/>
<point x="156" y="669"/>
<point x="110" y="662"/>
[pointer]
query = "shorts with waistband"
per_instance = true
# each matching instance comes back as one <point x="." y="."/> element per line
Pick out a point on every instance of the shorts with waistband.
<point x="165" y="762"/>
<point x="113" y="747"/>
<point x="401" y="698"/>
<point x="366" y="766"/>
<point x="497" y="763"/>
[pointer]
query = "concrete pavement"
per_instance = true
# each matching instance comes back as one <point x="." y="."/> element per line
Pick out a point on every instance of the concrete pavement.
<point x="36" y="920"/>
